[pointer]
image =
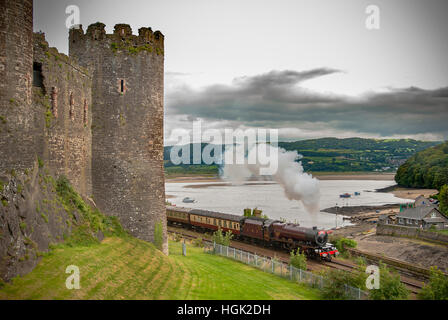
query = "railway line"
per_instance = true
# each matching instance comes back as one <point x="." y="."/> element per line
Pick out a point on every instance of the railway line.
<point x="412" y="284"/>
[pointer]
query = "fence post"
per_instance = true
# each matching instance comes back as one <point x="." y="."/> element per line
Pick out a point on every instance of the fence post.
<point x="359" y="294"/>
<point x="256" y="260"/>
<point x="290" y="272"/>
<point x="234" y="253"/>
<point x="227" y="251"/>
<point x="300" y="275"/>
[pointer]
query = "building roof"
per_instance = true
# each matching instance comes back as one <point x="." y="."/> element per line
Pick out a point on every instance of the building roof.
<point x="416" y="213"/>
<point x="218" y="215"/>
<point x="435" y="220"/>
<point x="176" y="208"/>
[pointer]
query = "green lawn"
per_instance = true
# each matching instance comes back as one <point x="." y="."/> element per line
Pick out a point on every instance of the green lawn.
<point x="127" y="268"/>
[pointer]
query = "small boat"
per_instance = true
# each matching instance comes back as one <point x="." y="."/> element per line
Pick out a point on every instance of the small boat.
<point x="345" y="195"/>
<point x="188" y="200"/>
<point x="357" y="193"/>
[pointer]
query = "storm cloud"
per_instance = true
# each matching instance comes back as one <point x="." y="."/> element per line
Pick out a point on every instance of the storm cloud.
<point x="278" y="99"/>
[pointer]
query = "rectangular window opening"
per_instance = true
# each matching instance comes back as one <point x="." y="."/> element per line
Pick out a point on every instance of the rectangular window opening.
<point x="38" y="79"/>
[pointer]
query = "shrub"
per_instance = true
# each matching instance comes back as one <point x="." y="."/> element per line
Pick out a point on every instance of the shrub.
<point x="391" y="287"/>
<point x="298" y="260"/>
<point x="177" y="237"/>
<point x="93" y="219"/>
<point x="81" y="236"/>
<point x="335" y="284"/>
<point x="443" y="198"/>
<point x="198" y="242"/>
<point x="342" y="243"/>
<point x="223" y="239"/>
<point x="44" y="216"/>
<point x="40" y="162"/>
<point x="436" y="288"/>
<point x="158" y="235"/>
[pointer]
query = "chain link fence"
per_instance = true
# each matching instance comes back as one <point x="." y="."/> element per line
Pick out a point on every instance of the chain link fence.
<point x="280" y="269"/>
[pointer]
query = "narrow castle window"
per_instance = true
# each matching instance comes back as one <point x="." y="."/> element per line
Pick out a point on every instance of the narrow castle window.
<point x="121" y="86"/>
<point x="38" y="79"/>
<point x="72" y="107"/>
<point x="54" y="101"/>
<point x="85" y="118"/>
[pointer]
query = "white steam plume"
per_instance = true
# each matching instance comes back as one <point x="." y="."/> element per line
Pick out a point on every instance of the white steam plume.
<point x="297" y="184"/>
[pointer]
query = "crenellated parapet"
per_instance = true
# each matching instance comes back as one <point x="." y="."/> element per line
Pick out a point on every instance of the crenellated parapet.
<point x="127" y="124"/>
<point x="122" y="40"/>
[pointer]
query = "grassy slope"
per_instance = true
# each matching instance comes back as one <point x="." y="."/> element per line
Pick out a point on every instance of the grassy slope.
<point x="127" y="268"/>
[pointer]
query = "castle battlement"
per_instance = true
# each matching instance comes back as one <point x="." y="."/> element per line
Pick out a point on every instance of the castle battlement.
<point x="121" y="40"/>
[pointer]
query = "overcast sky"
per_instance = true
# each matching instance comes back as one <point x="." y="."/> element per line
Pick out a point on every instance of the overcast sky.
<point x="309" y="68"/>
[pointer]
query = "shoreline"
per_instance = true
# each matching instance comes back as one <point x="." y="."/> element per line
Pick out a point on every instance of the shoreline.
<point x="317" y="175"/>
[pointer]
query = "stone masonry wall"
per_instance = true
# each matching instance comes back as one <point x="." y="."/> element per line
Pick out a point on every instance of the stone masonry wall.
<point x="65" y="102"/>
<point x="16" y="67"/>
<point x="393" y="230"/>
<point x="127" y="128"/>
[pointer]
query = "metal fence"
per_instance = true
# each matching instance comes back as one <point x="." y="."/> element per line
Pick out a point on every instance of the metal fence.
<point x="280" y="269"/>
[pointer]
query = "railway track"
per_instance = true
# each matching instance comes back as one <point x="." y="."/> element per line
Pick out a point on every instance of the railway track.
<point x="413" y="285"/>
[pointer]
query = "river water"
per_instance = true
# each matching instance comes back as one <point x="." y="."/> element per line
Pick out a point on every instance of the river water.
<point x="270" y="198"/>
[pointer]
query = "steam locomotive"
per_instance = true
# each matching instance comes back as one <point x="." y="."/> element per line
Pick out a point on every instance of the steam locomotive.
<point x="267" y="232"/>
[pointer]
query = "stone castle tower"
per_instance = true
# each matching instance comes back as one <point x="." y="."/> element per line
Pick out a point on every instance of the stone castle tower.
<point x="16" y="72"/>
<point x="127" y="125"/>
<point x="95" y="116"/>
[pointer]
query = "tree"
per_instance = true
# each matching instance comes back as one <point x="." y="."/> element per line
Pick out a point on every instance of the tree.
<point x="222" y="238"/>
<point x="297" y="259"/>
<point x="342" y="243"/>
<point x="436" y="288"/>
<point x="443" y="199"/>
<point x="336" y="282"/>
<point x="391" y="287"/>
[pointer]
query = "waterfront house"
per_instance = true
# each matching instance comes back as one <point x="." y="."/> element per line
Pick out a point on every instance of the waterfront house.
<point x="423" y="217"/>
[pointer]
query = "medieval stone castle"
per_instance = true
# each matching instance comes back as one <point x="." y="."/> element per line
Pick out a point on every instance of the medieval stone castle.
<point x="95" y="116"/>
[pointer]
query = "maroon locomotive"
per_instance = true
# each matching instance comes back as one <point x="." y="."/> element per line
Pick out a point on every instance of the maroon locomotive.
<point x="266" y="232"/>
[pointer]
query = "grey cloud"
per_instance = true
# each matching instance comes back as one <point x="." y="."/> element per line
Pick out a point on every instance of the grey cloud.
<point x="276" y="98"/>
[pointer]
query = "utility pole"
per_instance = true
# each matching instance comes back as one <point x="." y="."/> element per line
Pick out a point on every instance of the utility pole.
<point x="337" y="215"/>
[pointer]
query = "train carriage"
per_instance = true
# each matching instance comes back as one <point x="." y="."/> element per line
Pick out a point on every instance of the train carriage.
<point x="178" y="215"/>
<point x="213" y="220"/>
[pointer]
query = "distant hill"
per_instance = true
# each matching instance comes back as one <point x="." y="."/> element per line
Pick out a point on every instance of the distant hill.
<point x="331" y="155"/>
<point x="426" y="169"/>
